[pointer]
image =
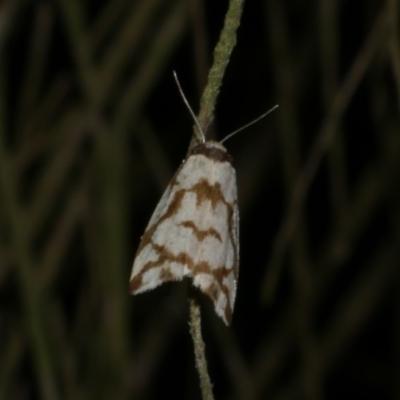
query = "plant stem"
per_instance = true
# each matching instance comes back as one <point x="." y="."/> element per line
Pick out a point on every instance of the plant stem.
<point x="222" y="53"/>
<point x="199" y="349"/>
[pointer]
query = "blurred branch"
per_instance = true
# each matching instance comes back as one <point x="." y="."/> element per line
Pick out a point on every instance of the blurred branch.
<point x="329" y="23"/>
<point x="285" y="73"/>
<point x="73" y="14"/>
<point x="359" y="304"/>
<point x="35" y="67"/>
<point x="125" y="46"/>
<point x="37" y="134"/>
<point x="372" y="189"/>
<point x="7" y="261"/>
<point x="29" y="292"/>
<point x="287" y="77"/>
<point x="14" y="346"/>
<point x="154" y="153"/>
<point x="235" y="364"/>
<point x="66" y="353"/>
<point x="153" y="61"/>
<point x="274" y="351"/>
<point x="368" y="195"/>
<point x="57" y="245"/>
<point x="370" y="192"/>
<point x="394" y="44"/>
<point x="322" y="143"/>
<point x="329" y="47"/>
<point x="109" y="231"/>
<point x="351" y="316"/>
<point x="156" y="338"/>
<point x="111" y="12"/>
<point x="53" y="178"/>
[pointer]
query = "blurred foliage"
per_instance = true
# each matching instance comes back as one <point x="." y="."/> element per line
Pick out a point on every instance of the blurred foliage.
<point x="91" y="130"/>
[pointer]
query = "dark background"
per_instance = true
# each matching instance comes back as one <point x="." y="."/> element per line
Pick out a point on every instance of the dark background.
<point x="92" y="128"/>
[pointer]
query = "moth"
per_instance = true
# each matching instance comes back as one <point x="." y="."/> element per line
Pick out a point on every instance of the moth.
<point x="194" y="230"/>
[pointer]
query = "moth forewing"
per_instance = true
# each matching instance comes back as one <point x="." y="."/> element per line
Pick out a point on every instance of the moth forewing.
<point x="194" y="230"/>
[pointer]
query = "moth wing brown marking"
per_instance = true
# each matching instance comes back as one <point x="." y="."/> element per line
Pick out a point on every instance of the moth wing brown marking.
<point x="197" y="211"/>
<point x="160" y="210"/>
<point x="221" y="215"/>
<point x="235" y="230"/>
<point x="164" y="201"/>
<point x="220" y="283"/>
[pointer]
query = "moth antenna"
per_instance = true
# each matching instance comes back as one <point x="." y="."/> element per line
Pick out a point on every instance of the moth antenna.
<point x="203" y="137"/>
<point x="249" y="124"/>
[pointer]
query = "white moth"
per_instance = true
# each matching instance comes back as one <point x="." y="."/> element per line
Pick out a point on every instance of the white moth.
<point x="194" y="230"/>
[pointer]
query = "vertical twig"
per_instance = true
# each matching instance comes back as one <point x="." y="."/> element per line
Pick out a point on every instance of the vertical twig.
<point x="222" y="54"/>
<point x="199" y="349"/>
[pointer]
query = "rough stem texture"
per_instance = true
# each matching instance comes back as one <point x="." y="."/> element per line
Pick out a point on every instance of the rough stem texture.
<point x="199" y="349"/>
<point x="222" y="53"/>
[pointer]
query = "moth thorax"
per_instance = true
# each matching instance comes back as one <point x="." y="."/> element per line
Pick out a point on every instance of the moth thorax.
<point x="214" y="151"/>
